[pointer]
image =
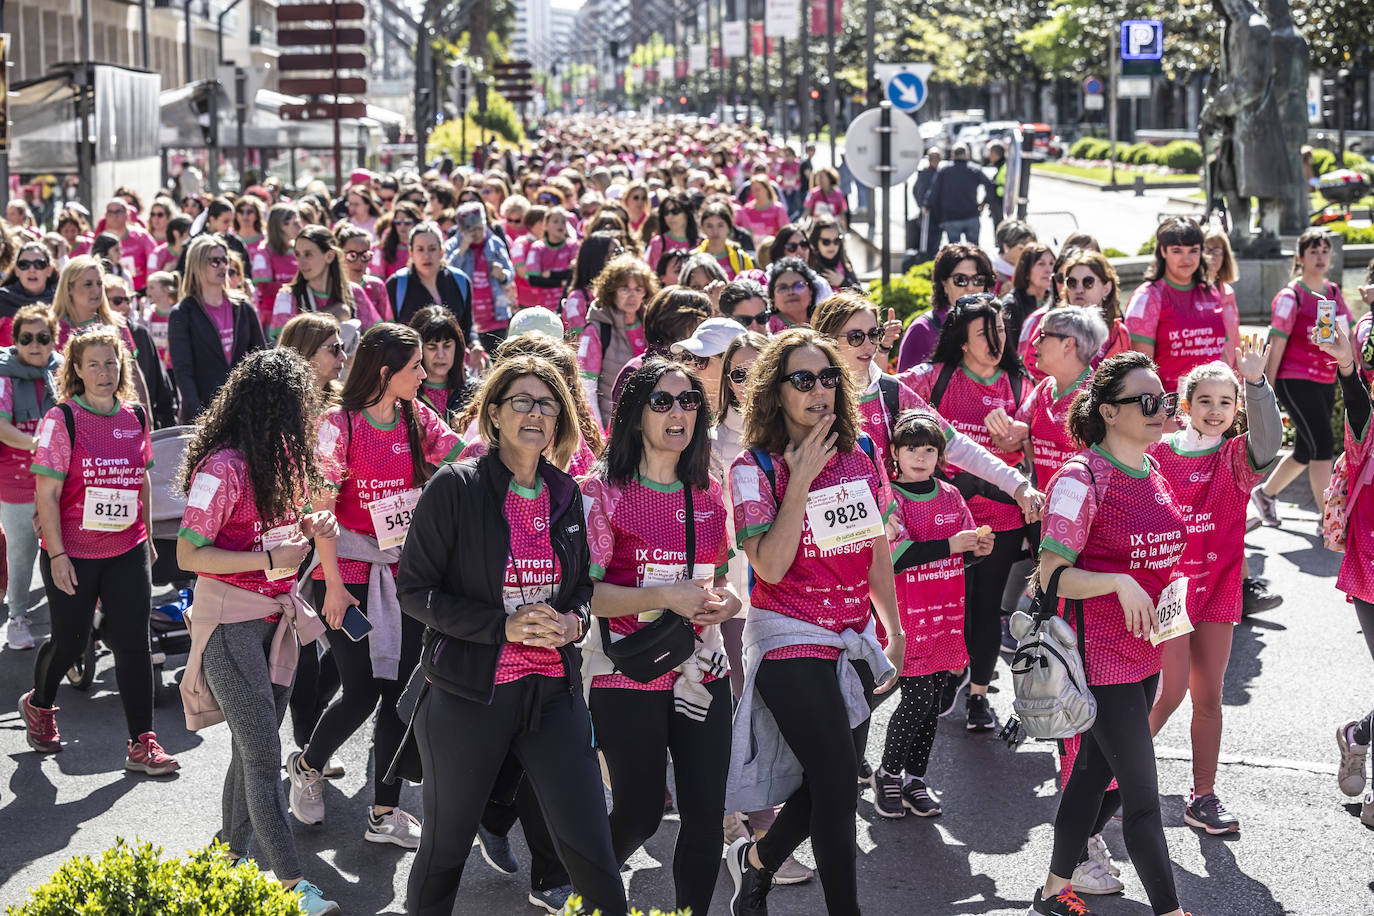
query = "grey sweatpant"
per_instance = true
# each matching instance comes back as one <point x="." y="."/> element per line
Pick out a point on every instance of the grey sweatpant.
<point x="254" y="801"/>
<point x="21" y="550"/>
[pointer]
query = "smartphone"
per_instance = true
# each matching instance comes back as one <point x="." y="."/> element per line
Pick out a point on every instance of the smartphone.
<point x="355" y="623"/>
<point x="1326" y="319"/>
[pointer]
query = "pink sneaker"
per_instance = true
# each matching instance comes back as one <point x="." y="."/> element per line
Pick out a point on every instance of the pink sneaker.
<point x="41" y="725"/>
<point x="147" y="756"/>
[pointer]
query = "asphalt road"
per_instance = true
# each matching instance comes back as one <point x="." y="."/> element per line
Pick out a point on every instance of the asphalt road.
<point x="1295" y="674"/>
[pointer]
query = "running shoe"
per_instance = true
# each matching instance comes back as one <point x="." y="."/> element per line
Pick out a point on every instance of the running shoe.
<point x="307" y="790"/>
<point x="17" y="634"/>
<point x="1098" y="852"/>
<point x="887" y="794"/>
<point x="949" y="693"/>
<point x="1064" y="903"/>
<point x="1252" y="521"/>
<point x="41" y="725"/>
<point x="1350" y="774"/>
<point x="147" y="756"/>
<point x="1091" y="878"/>
<point x="1256" y="597"/>
<point x="750" y="897"/>
<point x="917" y="797"/>
<point x="793" y="872"/>
<point x="334" y="769"/>
<point x="396" y="827"/>
<point x="979" y="712"/>
<point x="1367" y="812"/>
<point x="553" y="899"/>
<point x="865" y="772"/>
<point x="1206" y="812"/>
<point x="496" y="850"/>
<point x="1267" y="506"/>
<point x="313" y="902"/>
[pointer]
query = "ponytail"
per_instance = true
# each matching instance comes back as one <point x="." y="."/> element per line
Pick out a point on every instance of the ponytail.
<point x="1086" y="424"/>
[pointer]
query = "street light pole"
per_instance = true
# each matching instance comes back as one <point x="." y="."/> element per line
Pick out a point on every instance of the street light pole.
<point x="830" y="25"/>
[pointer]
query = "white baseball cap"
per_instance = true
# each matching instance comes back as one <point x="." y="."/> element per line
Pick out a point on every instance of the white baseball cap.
<point x="711" y="338"/>
<point x="535" y="318"/>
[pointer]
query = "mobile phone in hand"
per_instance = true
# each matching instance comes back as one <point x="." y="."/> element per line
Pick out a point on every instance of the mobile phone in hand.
<point x="355" y="623"/>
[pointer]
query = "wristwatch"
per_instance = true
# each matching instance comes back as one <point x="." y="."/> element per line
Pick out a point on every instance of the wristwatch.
<point x="584" y="619"/>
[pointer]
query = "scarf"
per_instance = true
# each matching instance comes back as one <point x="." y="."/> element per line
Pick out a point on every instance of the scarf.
<point x="26" y="405"/>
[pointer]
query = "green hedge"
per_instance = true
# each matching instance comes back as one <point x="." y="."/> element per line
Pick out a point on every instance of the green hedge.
<point x="137" y="881"/>
<point x="1353" y="235"/>
<point x="1324" y="160"/>
<point x="1184" y="155"/>
<point x="501" y="117"/>
<point x="1090" y="148"/>
<point x="909" y="294"/>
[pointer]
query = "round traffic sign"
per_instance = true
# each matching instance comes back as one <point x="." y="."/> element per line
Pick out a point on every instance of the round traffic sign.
<point x="863" y="148"/>
<point x="906" y="91"/>
<point x="1092" y="86"/>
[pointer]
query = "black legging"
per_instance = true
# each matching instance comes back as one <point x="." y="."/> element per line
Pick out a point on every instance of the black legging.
<point x="911" y="730"/>
<point x="635" y="730"/>
<point x="1118" y="744"/>
<point x="983" y="587"/>
<point x="361" y="693"/>
<point x="317" y="681"/>
<point x="804" y="697"/>
<point x="548" y="729"/>
<point x="513" y="799"/>
<point x="123" y="585"/>
<point x="1364" y="611"/>
<point x="1309" y="405"/>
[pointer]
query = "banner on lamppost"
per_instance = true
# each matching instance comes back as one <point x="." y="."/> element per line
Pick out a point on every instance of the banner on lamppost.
<point x="637" y="75"/>
<point x="783" y="18"/>
<point x="819" y="8"/>
<point x="667" y="67"/>
<point x="583" y="84"/>
<point x="757" y="41"/>
<point x="732" y="38"/>
<point x="696" y="57"/>
<point x="680" y="68"/>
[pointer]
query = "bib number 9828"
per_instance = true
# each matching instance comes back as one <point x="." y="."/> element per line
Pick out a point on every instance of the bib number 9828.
<point x="845" y="515"/>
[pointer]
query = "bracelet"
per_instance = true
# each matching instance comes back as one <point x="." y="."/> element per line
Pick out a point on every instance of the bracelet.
<point x="1345" y="369"/>
<point x="884" y="349"/>
<point x="269" y="560"/>
<point x="54" y="556"/>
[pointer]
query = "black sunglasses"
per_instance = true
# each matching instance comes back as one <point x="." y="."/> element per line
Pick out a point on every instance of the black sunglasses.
<point x="1150" y="404"/>
<point x="805" y="379"/>
<point x="699" y="363"/>
<point x="336" y="348"/>
<point x="43" y="338"/>
<point x="739" y="375"/>
<point x="671" y="211"/>
<point x="962" y="280"/>
<point x="1088" y="282"/>
<point x="119" y="300"/>
<point x="35" y="264"/>
<point x="830" y="241"/>
<point x="856" y="338"/>
<point x="761" y="319"/>
<point x="797" y="246"/>
<point x="216" y="261"/>
<point x="662" y="401"/>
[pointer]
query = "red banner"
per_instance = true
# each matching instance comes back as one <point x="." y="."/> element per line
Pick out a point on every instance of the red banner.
<point x="682" y="68"/>
<point x="756" y="40"/>
<point x="593" y="83"/>
<point x="620" y="81"/>
<point x="818" y="11"/>
<point x="567" y="87"/>
<point x="651" y="75"/>
<point x="716" y="60"/>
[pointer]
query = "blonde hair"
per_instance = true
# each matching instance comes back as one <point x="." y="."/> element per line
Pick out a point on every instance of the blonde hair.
<point x="1227" y="273"/>
<point x="62" y="306"/>
<point x="197" y="259"/>
<point x="70" y="385"/>
<point x="566" y="435"/>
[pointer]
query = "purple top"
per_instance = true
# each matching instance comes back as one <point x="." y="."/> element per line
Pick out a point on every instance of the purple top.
<point x="919" y="340"/>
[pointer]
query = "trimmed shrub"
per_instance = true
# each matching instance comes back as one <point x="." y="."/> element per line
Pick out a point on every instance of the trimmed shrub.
<point x="1324" y="160"/>
<point x="1090" y="148"/>
<point x="908" y="295"/>
<point x="1353" y="235"/>
<point x="1183" y="155"/>
<point x="1144" y="154"/>
<point x="1146" y="247"/>
<point x="1110" y="252"/>
<point x="501" y="118"/>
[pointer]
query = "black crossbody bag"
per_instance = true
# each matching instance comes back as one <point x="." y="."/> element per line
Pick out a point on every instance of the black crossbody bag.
<point x="657" y="648"/>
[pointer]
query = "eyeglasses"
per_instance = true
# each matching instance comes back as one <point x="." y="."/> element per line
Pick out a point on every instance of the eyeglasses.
<point x="31" y="264"/>
<point x="43" y="338"/>
<point x="245" y="211"/>
<point x="403" y="221"/>
<point x="793" y="247"/>
<point x="805" y="379"/>
<point x="700" y="363"/>
<point x="523" y="403"/>
<point x="963" y="280"/>
<point x="217" y="261"/>
<point x="354" y="256"/>
<point x="761" y="319"/>
<point x="1150" y="404"/>
<point x="662" y="401"/>
<point x="833" y="240"/>
<point x="336" y="348"/>
<point x="856" y="338"/>
<point x="1087" y="283"/>
<point x="118" y="300"/>
<point x="739" y="375"/>
<point x="799" y="287"/>
<point x="672" y="211"/>
<point x="1043" y="334"/>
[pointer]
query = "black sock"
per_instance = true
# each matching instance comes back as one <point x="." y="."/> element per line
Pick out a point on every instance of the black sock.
<point x="1362" y="729"/>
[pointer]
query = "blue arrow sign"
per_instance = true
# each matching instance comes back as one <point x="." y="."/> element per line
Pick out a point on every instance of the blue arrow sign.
<point x="906" y="91"/>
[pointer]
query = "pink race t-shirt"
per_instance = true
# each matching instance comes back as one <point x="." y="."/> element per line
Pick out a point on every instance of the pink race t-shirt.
<point x="637" y="534"/>
<point x="222" y="316"/>
<point x="877" y="423"/>
<point x="366" y="462"/>
<point x="1046" y="412"/>
<point x="16" y="479"/>
<point x="375" y="290"/>
<point x="112" y="452"/>
<point x="589" y="354"/>
<point x="543" y="258"/>
<point x="157" y="324"/>
<point x="1104" y="517"/>
<point x="483" y="302"/>
<point x="966" y="402"/>
<point x="270" y="272"/>
<point x="1187" y="327"/>
<point x="1356" y="576"/>
<point x="1212" y="488"/>
<point x="1294" y="315"/>
<point x="762" y="222"/>
<point x="930" y="597"/>
<point x="661" y="244"/>
<point x="825" y="203"/>
<point x="828" y="588"/>
<point x="221" y="511"/>
<point x="531" y="571"/>
<point x="66" y="331"/>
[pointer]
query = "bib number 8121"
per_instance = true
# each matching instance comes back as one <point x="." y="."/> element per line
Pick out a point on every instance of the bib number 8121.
<point x="112" y="510"/>
<point x="845" y="515"/>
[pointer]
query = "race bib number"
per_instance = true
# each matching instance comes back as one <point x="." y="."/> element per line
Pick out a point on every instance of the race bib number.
<point x="843" y="514"/>
<point x="159" y="332"/>
<point x="273" y="538"/>
<point x="391" y="517"/>
<point x="108" y="509"/>
<point x="666" y="574"/>
<point x="823" y="209"/>
<point x="1172" y="611"/>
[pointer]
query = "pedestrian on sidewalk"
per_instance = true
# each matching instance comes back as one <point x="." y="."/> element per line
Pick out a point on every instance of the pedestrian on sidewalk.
<point x="954" y="196"/>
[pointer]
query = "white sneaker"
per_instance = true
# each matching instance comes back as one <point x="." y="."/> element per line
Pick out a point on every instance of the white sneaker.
<point x="1099" y="853"/>
<point x="307" y="790"/>
<point x="19" y="637"/>
<point x="396" y="826"/>
<point x="334" y="769"/>
<point x="1091" y="878"/>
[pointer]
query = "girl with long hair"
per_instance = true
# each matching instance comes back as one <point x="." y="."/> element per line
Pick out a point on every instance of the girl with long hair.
<point x="355" y="246"/>
<point x="447" y="389"/>
<point x="593" y="254"/>
<point x="549" y="262"/>
<point x="828" y="255"/>
<point x="394" y="252"/>
<point x="677" y="228"/>
<point x="717" y="225"/>
<point x="614" y="332"/>
<point x="273" y="264"/>
<point x="247" y="475"/>
<point x="1089" y="281"/>
<point x="319" y="285"/>
<point x="249" y="217"/>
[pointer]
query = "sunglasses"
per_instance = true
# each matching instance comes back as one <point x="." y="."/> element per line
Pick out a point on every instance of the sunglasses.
<point x="834" y="240"/>
<point x="547" y="199"/>
<point x="963" y="280"/>
<point x="43" y="338"/>
<point x="662" y="401"/>
<point x="336" y="348"/>
<point x="1150" y="404"/>
<point x="1087" y="282"/>
<point x="217" y="261"/>
<point x="387" y="200"/>
<point x="245" y="211"/>
<point x="405" y="221"/>
<point x="739" y="375"/>
<point x="799" y="287"/>
<point x="118" y="300"/>
<point x="805" y="379"/>
<point x="35" y="264"/>
<point x="523" y="403"/>
<point x="672" y="211"/>
<point x="792" y="247"/>
<point x="115" y="211"/>
<point x="856" y="338"/>
<point x="761" y="319"/>
<point x="700" y="363"/>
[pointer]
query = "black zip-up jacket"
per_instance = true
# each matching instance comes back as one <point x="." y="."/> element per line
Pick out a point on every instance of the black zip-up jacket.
<point x="454" y="564"/>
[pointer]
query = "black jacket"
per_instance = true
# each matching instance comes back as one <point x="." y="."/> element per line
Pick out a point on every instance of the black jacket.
<point x="417" y="297"/>
<point x="159" y="386"/>
<point x="954" y="191"/>
<point x="198" y="362"/>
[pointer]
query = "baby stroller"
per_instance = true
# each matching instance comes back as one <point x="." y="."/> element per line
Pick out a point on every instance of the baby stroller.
<point x="167" y="625"/>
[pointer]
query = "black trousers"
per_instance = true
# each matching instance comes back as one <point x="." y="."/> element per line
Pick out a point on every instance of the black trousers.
<point x="124" y="587"/>
<point x="361" y="694"/>
<point x="911" y="730"/>
<point x="983" y="587"/>
<point x="635" y="730"/>
<point x="804" y="697"/>
<point x="549" y="730"/>
<point x="513" y="799"/>
<point x="317" y="682"/>
<point x="1118" y="744"/>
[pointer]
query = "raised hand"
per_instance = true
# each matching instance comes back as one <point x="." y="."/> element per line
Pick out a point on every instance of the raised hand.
<point x="1251" y="357"/>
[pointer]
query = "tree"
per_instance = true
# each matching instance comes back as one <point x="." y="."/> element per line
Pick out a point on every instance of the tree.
<point x="1337" y="31"/>
<point x="1075" y="38"/>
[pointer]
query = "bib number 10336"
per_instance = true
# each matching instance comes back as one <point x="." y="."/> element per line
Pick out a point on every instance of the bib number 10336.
<point x="843" y="514"/>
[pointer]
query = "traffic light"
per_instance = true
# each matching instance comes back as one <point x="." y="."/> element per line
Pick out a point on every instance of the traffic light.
<point x="815" y="94"/>
<point x="461" y="90"/>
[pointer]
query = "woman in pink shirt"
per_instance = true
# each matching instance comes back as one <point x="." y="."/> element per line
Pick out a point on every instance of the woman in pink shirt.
<point x="357" y="255"/>
<point x="394" y="252"/>
<point x="763" y="215"/>
<point x="274" y="262"/>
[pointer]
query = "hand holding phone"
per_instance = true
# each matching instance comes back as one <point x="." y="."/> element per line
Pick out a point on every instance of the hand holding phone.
<point x="355" y="623"/>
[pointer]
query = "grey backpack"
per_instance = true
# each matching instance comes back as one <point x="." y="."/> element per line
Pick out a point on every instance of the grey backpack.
<point x="1048" y="673"/>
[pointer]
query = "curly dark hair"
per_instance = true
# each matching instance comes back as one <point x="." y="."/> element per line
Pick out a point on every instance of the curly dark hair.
<point x="276" y="438"/>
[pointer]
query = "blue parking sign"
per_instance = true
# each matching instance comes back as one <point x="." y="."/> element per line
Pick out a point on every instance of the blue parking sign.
<point x="1142" y="39"/>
